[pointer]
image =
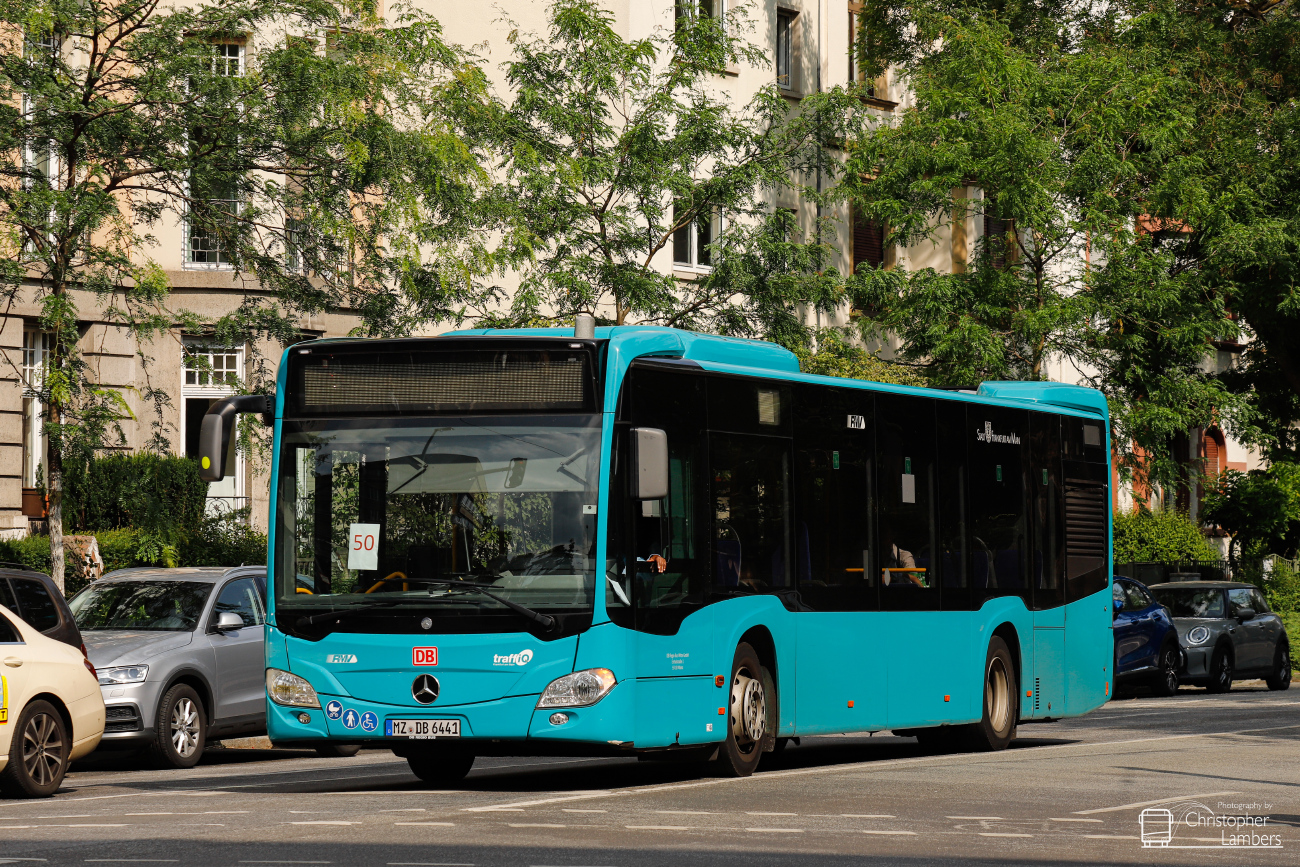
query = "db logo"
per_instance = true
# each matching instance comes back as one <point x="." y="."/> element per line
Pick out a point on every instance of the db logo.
<point x="424" y="656"/>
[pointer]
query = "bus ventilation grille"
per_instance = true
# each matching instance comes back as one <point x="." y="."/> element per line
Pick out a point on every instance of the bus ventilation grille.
<point x="1038" y="688"/>
<point x="1085" y="518"/>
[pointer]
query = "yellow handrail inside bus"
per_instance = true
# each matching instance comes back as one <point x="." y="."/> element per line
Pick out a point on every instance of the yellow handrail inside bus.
<point x="383" y="581"/>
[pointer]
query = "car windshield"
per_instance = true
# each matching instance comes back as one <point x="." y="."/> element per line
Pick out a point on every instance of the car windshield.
<point x="1189" y="601"/>
<point x="141" y="605"/>
<point x="389" y="510"/>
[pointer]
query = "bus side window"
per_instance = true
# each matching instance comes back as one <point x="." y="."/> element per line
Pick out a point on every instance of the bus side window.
<point x="1047" y="504"/>
<point x="751" y="498"/>
<point x="833" y="440"/>
<point x="952" y="484"/>
<point x="998" y="536"/>
<point x="905" y="536"/>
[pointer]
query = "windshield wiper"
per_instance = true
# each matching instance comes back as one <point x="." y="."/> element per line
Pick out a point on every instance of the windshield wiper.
<point x="546" y="620"/>
<point x="303" y="622"/>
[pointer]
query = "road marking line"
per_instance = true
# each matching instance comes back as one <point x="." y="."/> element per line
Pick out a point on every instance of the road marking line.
<point x="534" y="825"/>
<point x="658" y="828"/>
<point x="979" y="818"/>
<point x="887" y="764"/>
<point x="322" y="822"/>
<point x="427" y="864"/>
<point x="286" y="862"/>
<point x="132" y="860"/>
<point x="891" y="833"/>
<point x="1074" y="820"/>
<point x="1150" y="803"/>
<point x="77" y="816"/>
<point x="776" y="830"/>
<point x="429" y="824"/>
<point x="89" y="825"/>
<point x="700" y="813"/>
<point x="1106" y="837"/>
<point x="865" y="816"/>
<point x="993" y="834"/>
<point x="563" y="810"/>
<point x="14" y="828"/>
<point x="405" y="810"/>
<point x="771" y="814"/>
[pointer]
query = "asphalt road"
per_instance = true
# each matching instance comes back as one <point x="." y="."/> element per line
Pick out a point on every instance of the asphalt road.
<point x="1066" y="793"/>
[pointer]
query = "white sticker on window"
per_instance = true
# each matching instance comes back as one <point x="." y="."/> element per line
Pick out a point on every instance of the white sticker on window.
<point x="909" y="488"/>
<point x="363" y="546"/>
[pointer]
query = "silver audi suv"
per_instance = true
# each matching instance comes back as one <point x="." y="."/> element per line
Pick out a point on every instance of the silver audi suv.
<point x="179" y="654"/>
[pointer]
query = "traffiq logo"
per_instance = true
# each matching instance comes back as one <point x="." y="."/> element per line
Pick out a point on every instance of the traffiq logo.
<point x="523" y="657"/>
<point x="988" y="436"/>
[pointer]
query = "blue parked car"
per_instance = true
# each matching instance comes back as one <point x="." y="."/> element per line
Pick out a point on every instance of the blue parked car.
<point x="1147" y="650"/>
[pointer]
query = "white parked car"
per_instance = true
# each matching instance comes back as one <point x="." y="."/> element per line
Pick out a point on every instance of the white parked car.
<point x="51" y="709"/>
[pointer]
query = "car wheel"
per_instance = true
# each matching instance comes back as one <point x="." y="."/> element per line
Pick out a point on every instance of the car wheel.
<point x="338" y="751"/>
<point x="1220" y="671"/>
<point x="997" y="727"/>
<point x="180" y="730"/>
<point x="1165" y="681"/>
<point x="747" y="717"/>
<point x="38" y="753"/>
<point x="441" y="768"/>
<point x="1281" y="676"/>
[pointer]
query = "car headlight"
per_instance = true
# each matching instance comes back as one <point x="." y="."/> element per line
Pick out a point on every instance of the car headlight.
<point x="290" y="689"/>
<point x="1198" y="635"/>
<point x="123" y="674"/>
<point x="579" y="689"/>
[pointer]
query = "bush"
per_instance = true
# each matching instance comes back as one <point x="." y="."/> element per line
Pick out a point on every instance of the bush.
<point x="1160" y="537"/>
<point x="160" y="495"/>
<point x="225" y="540"/>
<point x="1282" y="587"/>
<point x="32" y="552"/>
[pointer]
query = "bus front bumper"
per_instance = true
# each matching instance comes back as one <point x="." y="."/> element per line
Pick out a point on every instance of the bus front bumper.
<point x="515" y="721"/>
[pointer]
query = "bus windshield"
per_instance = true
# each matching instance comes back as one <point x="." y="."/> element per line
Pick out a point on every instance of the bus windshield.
<point x="408" y="515"/>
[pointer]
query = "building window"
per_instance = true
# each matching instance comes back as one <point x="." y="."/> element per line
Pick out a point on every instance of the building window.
<point x="857" y="67"/>
<point x="784" y="48"/>
<point x="35" y="355"/>
<point x="996" y="231"/>
<point x="691" y="242"/>
<point x="206" y="244"/>
<point x="685" y="9"/>
<point x="211" y="373"/>
<point x="868" y="241"/>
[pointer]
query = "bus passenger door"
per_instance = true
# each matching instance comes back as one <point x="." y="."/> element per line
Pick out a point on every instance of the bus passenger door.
<point x="841" y="674"/>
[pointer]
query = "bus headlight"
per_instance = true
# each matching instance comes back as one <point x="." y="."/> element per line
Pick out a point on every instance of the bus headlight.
<point x="1198" y="635"/>
<point x="289" y="689"/>
<point x="579" y="689"/>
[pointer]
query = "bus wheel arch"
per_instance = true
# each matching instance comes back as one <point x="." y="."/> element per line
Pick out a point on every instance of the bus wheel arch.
<point x="1007" y="632"/>
<point x="760" y="638"/>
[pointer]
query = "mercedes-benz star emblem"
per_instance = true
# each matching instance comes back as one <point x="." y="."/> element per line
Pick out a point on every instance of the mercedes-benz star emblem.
<point x="425" y="689"/>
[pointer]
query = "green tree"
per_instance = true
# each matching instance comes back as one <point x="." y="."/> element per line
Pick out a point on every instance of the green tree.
<point x="1062" y="135"/>
<point x="334" y="165"/>
<point x="1161" y="536"/>
<point x="620" y="151"/>
<point x="837" y="355"/>
<point x="1261" y="509"/>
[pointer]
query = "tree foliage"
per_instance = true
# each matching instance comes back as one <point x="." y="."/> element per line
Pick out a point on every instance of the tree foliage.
<point x="614" y="147"/>
<point x="837" y="355"/>
<point x="1261" y="509"/>
<point x="1070" y="132"/>
<point x="1161" y="536"/>
<point x="335" y="166"/>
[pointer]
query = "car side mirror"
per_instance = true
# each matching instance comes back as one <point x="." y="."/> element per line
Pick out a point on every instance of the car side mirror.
<point x="649" y="463"/>
<point x="1244" y="614"/>
<point x="229" y="621"/>
<point x="1117" y="606"/>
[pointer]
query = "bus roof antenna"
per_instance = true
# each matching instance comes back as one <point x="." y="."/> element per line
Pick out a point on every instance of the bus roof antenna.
<point x="585" y="327"/>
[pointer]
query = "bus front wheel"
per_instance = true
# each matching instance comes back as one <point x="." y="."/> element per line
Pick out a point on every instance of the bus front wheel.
<point x="997" y="726"/>
<point x="441" y="768"/>
<point x="747" y="716"/>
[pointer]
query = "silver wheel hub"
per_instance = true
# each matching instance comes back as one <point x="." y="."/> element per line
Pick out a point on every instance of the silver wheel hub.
<point x="997" y="696"/>
<point x="185" y="728"/>
<point x="42" y="749"/>
<point x="748" y="709"/>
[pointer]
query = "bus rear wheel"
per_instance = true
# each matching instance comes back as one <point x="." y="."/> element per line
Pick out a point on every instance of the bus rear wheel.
<point x="441" y="768"/>
<point x="997" y="726"/>
<point x="747" y="716"/>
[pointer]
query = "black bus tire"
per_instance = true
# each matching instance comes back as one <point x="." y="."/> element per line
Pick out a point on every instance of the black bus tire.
<point x="747" y="715"/>
<point x="997" y="726"/>
<point x="338" y="751"/>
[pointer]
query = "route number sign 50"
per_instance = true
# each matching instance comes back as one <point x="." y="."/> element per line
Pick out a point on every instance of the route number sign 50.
<point x="363" y="546"/>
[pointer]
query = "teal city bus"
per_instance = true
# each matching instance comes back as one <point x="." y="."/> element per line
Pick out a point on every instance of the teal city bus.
<point x="644" y="541"/>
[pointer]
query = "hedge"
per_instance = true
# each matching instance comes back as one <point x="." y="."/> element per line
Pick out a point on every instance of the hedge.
<point x="1160" y="537"/>
<point x="161" y="495"/>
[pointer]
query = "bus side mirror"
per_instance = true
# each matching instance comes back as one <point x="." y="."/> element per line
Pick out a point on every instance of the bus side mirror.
<point x="649" y="463"/>
<point x="219" y="422"/>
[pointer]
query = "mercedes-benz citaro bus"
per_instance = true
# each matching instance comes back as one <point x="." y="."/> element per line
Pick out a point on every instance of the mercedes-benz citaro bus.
<point x="644" y="541"/>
